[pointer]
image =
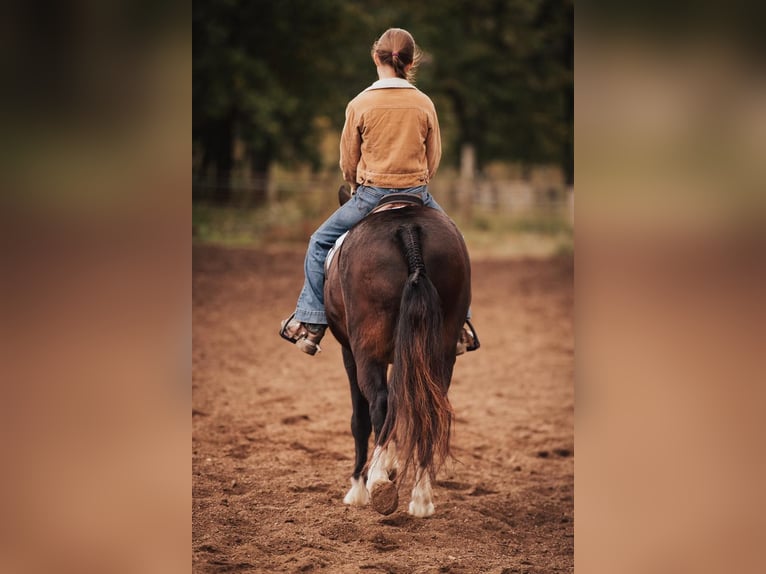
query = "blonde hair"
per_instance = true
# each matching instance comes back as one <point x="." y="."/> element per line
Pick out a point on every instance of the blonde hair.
<point x="397" y="48"/>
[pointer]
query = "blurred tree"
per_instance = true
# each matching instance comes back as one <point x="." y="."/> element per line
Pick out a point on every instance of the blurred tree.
<point x="506" y="67"/>
<point x="262" y="72"/>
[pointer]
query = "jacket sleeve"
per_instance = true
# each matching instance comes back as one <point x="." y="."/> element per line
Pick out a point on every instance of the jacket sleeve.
<point x="350" y="147"/>
<point x="433" y="145"/>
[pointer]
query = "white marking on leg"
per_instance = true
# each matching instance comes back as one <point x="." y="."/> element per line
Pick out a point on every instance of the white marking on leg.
<point x="421" y="504"/>
<point x="377" y="471"/>
<point x="358" y="495"/>
<point x="383" y="462"/>
<point x="390" y="460"/>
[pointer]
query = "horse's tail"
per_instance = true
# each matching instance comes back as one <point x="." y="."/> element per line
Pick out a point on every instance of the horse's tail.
<point x="419" y="415"/>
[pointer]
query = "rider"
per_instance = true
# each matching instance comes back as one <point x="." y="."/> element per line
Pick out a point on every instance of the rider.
<point x="390" y="143"/>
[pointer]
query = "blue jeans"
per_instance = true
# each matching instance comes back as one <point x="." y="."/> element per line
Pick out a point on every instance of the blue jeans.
<point x="310" y="308"/>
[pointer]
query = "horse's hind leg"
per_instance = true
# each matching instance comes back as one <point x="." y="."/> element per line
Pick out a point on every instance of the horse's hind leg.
<point x="422" y="504"/>
<point x="361" y="427"/>
<point x="383" y="492"/>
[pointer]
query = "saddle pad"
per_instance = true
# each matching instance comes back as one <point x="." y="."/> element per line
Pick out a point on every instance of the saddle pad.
<point x="333" y="249"/>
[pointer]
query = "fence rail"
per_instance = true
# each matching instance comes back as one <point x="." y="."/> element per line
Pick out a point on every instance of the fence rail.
<point x="499" y="195"/>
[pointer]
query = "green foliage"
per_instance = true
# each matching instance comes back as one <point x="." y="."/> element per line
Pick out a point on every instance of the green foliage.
<point x="262" y="72"/>
<point x="500" y="72"/>
<point x="505" y="67"/>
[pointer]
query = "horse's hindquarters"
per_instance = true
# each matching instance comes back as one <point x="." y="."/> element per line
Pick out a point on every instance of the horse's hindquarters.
<point x="398" y="292"/>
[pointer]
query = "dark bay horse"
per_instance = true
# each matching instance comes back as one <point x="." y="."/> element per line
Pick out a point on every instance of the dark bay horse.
<point x="397" y="293"/>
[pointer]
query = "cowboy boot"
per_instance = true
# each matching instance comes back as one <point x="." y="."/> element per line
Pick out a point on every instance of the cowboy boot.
<point x="305" y="336"/>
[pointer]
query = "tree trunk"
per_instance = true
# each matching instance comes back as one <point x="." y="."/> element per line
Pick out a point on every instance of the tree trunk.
<point x="263" y="191"/>
<point x="222" y="145"/>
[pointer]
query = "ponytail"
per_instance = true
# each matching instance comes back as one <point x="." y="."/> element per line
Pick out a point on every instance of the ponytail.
<point x="397" y="48"/>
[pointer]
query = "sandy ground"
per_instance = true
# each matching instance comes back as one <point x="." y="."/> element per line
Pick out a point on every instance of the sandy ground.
<point x="273" y="451"/>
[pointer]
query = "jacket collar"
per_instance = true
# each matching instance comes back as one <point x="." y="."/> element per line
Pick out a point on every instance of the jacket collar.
<point x="390" y="83"/>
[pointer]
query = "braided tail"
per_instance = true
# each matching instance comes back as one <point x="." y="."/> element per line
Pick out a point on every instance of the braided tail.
<point x="419" y="415"/>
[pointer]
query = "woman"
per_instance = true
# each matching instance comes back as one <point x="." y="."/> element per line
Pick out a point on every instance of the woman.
<point x="390" y="143"/>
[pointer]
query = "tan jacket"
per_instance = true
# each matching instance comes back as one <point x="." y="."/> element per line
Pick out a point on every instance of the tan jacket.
<point x="391" y="137"/>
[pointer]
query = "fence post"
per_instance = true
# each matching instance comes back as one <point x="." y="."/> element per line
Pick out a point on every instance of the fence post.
<point x="466" y="183"/>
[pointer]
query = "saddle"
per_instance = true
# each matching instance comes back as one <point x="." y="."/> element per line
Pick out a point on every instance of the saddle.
<point x="397" y="201"/>
<point x="388" y="201"/>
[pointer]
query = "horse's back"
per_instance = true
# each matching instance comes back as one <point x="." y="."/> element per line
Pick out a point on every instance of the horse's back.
<point x="371" y="271"/>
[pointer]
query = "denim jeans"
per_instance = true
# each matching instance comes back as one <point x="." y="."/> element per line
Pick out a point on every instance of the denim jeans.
<point x="310" y="308"/>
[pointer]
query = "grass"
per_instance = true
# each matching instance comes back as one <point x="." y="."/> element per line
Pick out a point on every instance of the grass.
<point x="236" y="226"/>
<point x="542" y="233"/>
<point x="291" y="222"/>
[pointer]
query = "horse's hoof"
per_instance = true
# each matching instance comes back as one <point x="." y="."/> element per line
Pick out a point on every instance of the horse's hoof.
<point x="421" y="510"/>
<point x="358" y="495"/>
<point x="385" y="497"/>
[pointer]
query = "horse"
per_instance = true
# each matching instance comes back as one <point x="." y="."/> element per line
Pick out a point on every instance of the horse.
<point x="397" y="292"/>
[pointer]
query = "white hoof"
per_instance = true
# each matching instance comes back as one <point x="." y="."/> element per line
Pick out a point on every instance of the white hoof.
<point x="421" y="504"/>
<point x="358" y="495"/>
<point x="421" y="510"/>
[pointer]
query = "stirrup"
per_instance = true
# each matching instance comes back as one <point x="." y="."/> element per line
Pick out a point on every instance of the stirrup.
<point x="462" y="345"/>
<point x="304" y="339"/>
<point x="476" y="343"/>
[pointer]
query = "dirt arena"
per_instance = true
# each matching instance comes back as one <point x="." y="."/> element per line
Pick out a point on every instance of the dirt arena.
<point x="273" y="451"/>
